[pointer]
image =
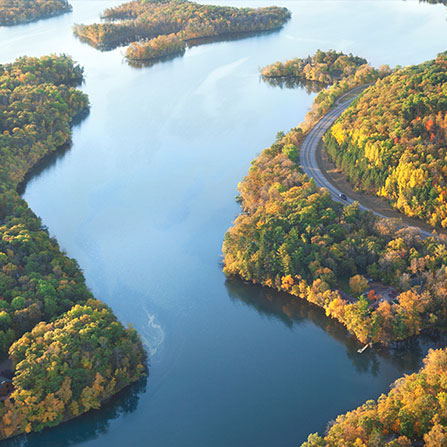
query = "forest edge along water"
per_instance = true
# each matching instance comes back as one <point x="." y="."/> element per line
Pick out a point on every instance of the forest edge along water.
<point x="159" y="258"/>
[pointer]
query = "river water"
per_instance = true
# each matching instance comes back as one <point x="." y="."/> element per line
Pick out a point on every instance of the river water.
<point x="142" y="200"/>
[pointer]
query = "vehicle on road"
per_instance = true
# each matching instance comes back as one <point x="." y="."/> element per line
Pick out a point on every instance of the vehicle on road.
<point x="342" y="196"/>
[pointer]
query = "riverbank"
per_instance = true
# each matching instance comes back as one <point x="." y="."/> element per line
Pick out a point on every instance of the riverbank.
<point x="20" y="12"/>
<point x="45" y="306"/>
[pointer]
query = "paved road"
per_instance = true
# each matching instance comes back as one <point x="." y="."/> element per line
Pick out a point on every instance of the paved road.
<point x="308" y="157"/>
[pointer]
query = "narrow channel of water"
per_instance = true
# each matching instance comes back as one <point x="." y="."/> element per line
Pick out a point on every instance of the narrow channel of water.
<point x="142" y="201"/>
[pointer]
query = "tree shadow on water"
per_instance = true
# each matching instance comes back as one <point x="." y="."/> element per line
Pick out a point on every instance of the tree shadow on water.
<point x="293" y="311"/>
<point x="51" y="158"/>
<point x="290" y="82"/>
<point x="86" y="427"/>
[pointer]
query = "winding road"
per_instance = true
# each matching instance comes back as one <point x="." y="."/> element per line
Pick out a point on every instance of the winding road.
<point x="308" y="157"/>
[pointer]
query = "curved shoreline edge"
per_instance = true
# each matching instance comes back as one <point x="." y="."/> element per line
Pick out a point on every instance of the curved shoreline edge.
<point x="64" y="9"/>
<point x="69" y="352"/>
<point x="289" y="208"/>
<point x="271" y="244"/>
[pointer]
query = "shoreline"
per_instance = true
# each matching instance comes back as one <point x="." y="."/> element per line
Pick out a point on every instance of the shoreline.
<point x="50" y="157"/>
<point x="36" y="19"/>
<point x="305" y="291"/>
<point x="56" y="323"/>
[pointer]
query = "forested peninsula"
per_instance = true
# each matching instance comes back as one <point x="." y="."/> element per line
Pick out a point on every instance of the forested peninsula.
<point x="68" y="351"/>
<point x="293" y="237"/>
<point x="393" y="141"/>
<point x="14" y="12"/>
<point x="156" y="28"/>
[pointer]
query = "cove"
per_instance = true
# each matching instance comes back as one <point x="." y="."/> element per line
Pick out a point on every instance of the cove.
<point x="142" y="201"/>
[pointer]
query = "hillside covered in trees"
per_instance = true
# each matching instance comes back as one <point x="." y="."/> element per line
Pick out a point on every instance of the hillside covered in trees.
<point x="13" y="12"/>
<point x="393" y="141"/>
<point x="293" y="237"/>
<point x="68" y="350"/>
<point x="140" y="22"/>
<point x="413" y="411"/>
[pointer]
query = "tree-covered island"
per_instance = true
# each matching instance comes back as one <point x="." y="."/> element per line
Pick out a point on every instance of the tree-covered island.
<point x="68" y="351"/>
<point x="156" y="28"/>
<point x="14" y="12"/>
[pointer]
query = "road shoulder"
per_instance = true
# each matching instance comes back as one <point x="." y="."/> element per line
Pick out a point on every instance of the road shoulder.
<point x="336" y="177"/>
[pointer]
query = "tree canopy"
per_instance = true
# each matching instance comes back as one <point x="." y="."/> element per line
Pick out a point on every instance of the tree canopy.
<point x="14" y="12"/>
<point x="69" y="351"/>
<point x="330" y="73"/>
<point x="324" y="66"/>
<point x="414" y="410"/>
<point x="156" y="28"/>
<point x="293" y="237"/>
<point x="393" y="141"/>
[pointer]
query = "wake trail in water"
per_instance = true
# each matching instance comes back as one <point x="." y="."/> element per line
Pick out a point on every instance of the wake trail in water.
<point x="153" y="335"/>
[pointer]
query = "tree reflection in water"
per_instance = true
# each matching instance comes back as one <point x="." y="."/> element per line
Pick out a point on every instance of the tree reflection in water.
<point x="293" y="311"/>
<point x="87" y="426"/>
<point x="292" y="82"/>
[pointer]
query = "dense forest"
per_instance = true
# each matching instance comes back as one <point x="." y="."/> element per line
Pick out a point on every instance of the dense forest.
<point x="143" y="21"/>
<point x="293" y="237"/>
<point x="68" y="350"/>
<point x="13" y="12"/>
<point x="393" y="141"/>
<point x="415" y="410"/>
<point x="326" y="67"/>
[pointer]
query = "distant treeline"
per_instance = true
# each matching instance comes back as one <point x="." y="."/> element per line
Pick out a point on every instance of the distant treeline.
<point x="143" y="23"/>
<point x="13" y="12"/>
<point x="326" y="67"/>
<point x="68" y="350"/>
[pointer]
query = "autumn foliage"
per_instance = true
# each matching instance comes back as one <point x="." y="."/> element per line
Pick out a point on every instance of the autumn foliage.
<point x="158" y="47"/>
<point x="13" y="12"/>
<point x="414" y="409"/>
<point x="326" y="67"/>
<point x="68" y="367"/>
<point x="143" y="24"/>
<point x="328" y="73"/>
<point x="293" y="237"/>
<point x="393" y="141"/>
<point x="69" y="351"/>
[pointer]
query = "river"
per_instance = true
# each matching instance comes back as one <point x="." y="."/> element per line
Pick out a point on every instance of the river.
<point x="143" y="198"/>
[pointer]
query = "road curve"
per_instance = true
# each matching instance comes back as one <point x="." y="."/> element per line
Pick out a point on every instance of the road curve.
<point x="308" y="157"/>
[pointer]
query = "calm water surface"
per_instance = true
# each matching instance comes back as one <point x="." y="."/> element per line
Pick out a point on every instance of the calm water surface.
<point x="143" y="198"/>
